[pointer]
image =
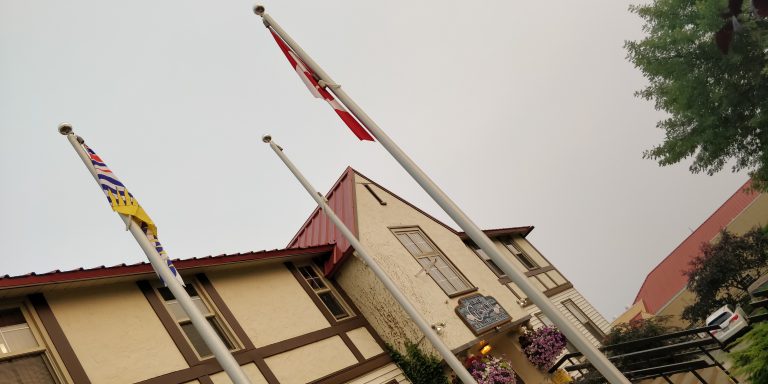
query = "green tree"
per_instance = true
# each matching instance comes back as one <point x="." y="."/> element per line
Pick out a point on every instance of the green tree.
<point x="752" y="361"/>
<point x="717" y="103"/>
<point x="635" y="330"/>
<point x="723" y="271"/>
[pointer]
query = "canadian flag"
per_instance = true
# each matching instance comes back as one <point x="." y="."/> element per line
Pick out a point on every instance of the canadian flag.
<point x="308" y="77"/>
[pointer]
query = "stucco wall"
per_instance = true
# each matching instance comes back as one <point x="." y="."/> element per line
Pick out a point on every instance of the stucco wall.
<point x="310" y="362"/>
<point x="268" y="302"/>
<point x="675" y="307"/>
<point x="365" y="342"/>
<point x="756" y="214"/>
<point x="115" y="333"/>
<point x="374" y="223"/>
<point x="250" y="370"/>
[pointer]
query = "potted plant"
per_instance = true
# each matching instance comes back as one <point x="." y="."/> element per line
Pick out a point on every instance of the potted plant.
<point x="489" y="370"/>
<point x="542" y="346"/>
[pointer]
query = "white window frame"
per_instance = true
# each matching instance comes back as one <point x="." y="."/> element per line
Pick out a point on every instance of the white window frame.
<point x="327" y="288"/>
<point x="41" y="349"/>
<point x="521" y="256"/>
<point x="211" y="314"/>
<point x="428" y="259"/>
<point x="587" y="323"/>
<point x="487" y="260"/>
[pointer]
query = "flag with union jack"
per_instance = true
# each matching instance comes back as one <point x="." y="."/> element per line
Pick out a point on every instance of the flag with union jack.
<point x="123" y="202"/>
<point x="320" y="92"/>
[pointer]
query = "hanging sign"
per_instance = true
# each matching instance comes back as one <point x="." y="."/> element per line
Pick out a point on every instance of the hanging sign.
<point x="481" y="313"/>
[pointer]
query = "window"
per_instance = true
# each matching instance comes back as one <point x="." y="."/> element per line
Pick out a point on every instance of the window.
<point x="487" y="260"/>
<point x="323" y="290"/>
<point x="584" y="320"/>
<point x="178" y="314"/>
<point x="22" y="358"/>
<point x="545" y="320"/>
<point x="436" y="265"/>
<point x="520" y="255"/>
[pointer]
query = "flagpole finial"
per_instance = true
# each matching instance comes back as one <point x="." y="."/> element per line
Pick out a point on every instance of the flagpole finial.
<point x="65" y="129"/>
<point x="266" y="138"/>
<point x="259" y="10"/>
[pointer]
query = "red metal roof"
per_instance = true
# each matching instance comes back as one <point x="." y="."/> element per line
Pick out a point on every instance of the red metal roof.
<point x="667" y="279"/>
<point x="100" y="272"/>
<point x="318" y="229"/>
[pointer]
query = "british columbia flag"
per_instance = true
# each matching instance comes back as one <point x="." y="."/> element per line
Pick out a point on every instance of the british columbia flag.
<point x="123" y="202"/>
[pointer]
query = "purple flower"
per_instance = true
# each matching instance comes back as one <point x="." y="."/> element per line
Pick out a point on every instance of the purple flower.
<point x="491" y="370"/>
<point x="543" y="346"/>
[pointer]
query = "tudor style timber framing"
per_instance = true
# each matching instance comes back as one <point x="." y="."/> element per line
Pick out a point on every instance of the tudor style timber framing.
<point x="52" y="327"/>
<point x="201" y="370"/>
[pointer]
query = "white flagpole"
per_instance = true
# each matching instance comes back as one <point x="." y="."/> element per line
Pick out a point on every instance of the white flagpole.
<point x="211" y="339"/>
<point x="425" y="328"/>
<point x="598" y="360"/>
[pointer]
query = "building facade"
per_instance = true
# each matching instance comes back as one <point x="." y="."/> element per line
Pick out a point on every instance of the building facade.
<point x="664" y="292"/>
<point x="312" y="312"/>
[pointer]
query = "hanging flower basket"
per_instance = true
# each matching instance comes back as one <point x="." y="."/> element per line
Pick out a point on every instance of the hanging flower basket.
<point x="542" y="346"/>
<point x="489" y="370"/>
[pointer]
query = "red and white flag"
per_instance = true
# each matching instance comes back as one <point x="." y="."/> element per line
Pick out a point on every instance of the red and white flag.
<point x="306" y="75"/>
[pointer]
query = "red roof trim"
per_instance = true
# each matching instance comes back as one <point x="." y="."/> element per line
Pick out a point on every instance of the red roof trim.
<point x="343" y="249"/>
<point x="316" y="211"/>
<point x="662" y="283"/>
<point x="144" y="268"/>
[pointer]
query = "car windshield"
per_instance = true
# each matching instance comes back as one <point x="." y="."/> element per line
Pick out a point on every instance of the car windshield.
<point x="720" y="319"/>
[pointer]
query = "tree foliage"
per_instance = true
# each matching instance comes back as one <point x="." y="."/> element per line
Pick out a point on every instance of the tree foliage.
<point x="723" y="271"/>
<point x="752" y="361"/>
<point x="717" y="103"/>
<point x="635" y="330"/>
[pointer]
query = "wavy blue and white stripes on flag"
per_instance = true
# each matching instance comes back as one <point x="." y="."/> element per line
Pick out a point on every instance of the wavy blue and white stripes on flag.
<point x="124" y="203"/>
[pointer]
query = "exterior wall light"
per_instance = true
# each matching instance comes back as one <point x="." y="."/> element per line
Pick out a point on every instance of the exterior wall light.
<point x="484" y="351"/>
<point x="439" y="328"/>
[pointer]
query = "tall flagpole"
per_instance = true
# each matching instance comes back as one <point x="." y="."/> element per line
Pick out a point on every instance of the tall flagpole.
<point x="425" y="328"/>
<point x="598" y="360"/>
<point x="211" y="339"/>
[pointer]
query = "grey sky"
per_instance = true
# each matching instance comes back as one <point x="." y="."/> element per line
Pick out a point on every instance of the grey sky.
<point x="523" y="112"/>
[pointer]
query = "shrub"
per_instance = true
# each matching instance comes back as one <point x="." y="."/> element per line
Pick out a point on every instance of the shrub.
<point x="752" y="361"/>
<point x="417" y="366"/>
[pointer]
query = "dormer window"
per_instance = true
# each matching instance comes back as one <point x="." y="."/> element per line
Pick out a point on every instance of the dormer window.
<point x="520" y="255"/>
<point x="487" y="260"/>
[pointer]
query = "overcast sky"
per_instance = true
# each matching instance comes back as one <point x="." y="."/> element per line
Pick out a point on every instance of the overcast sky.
<point x="523" y="112"/>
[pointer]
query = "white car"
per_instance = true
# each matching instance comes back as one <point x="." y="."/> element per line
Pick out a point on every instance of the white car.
<point x="731" y="323"/>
